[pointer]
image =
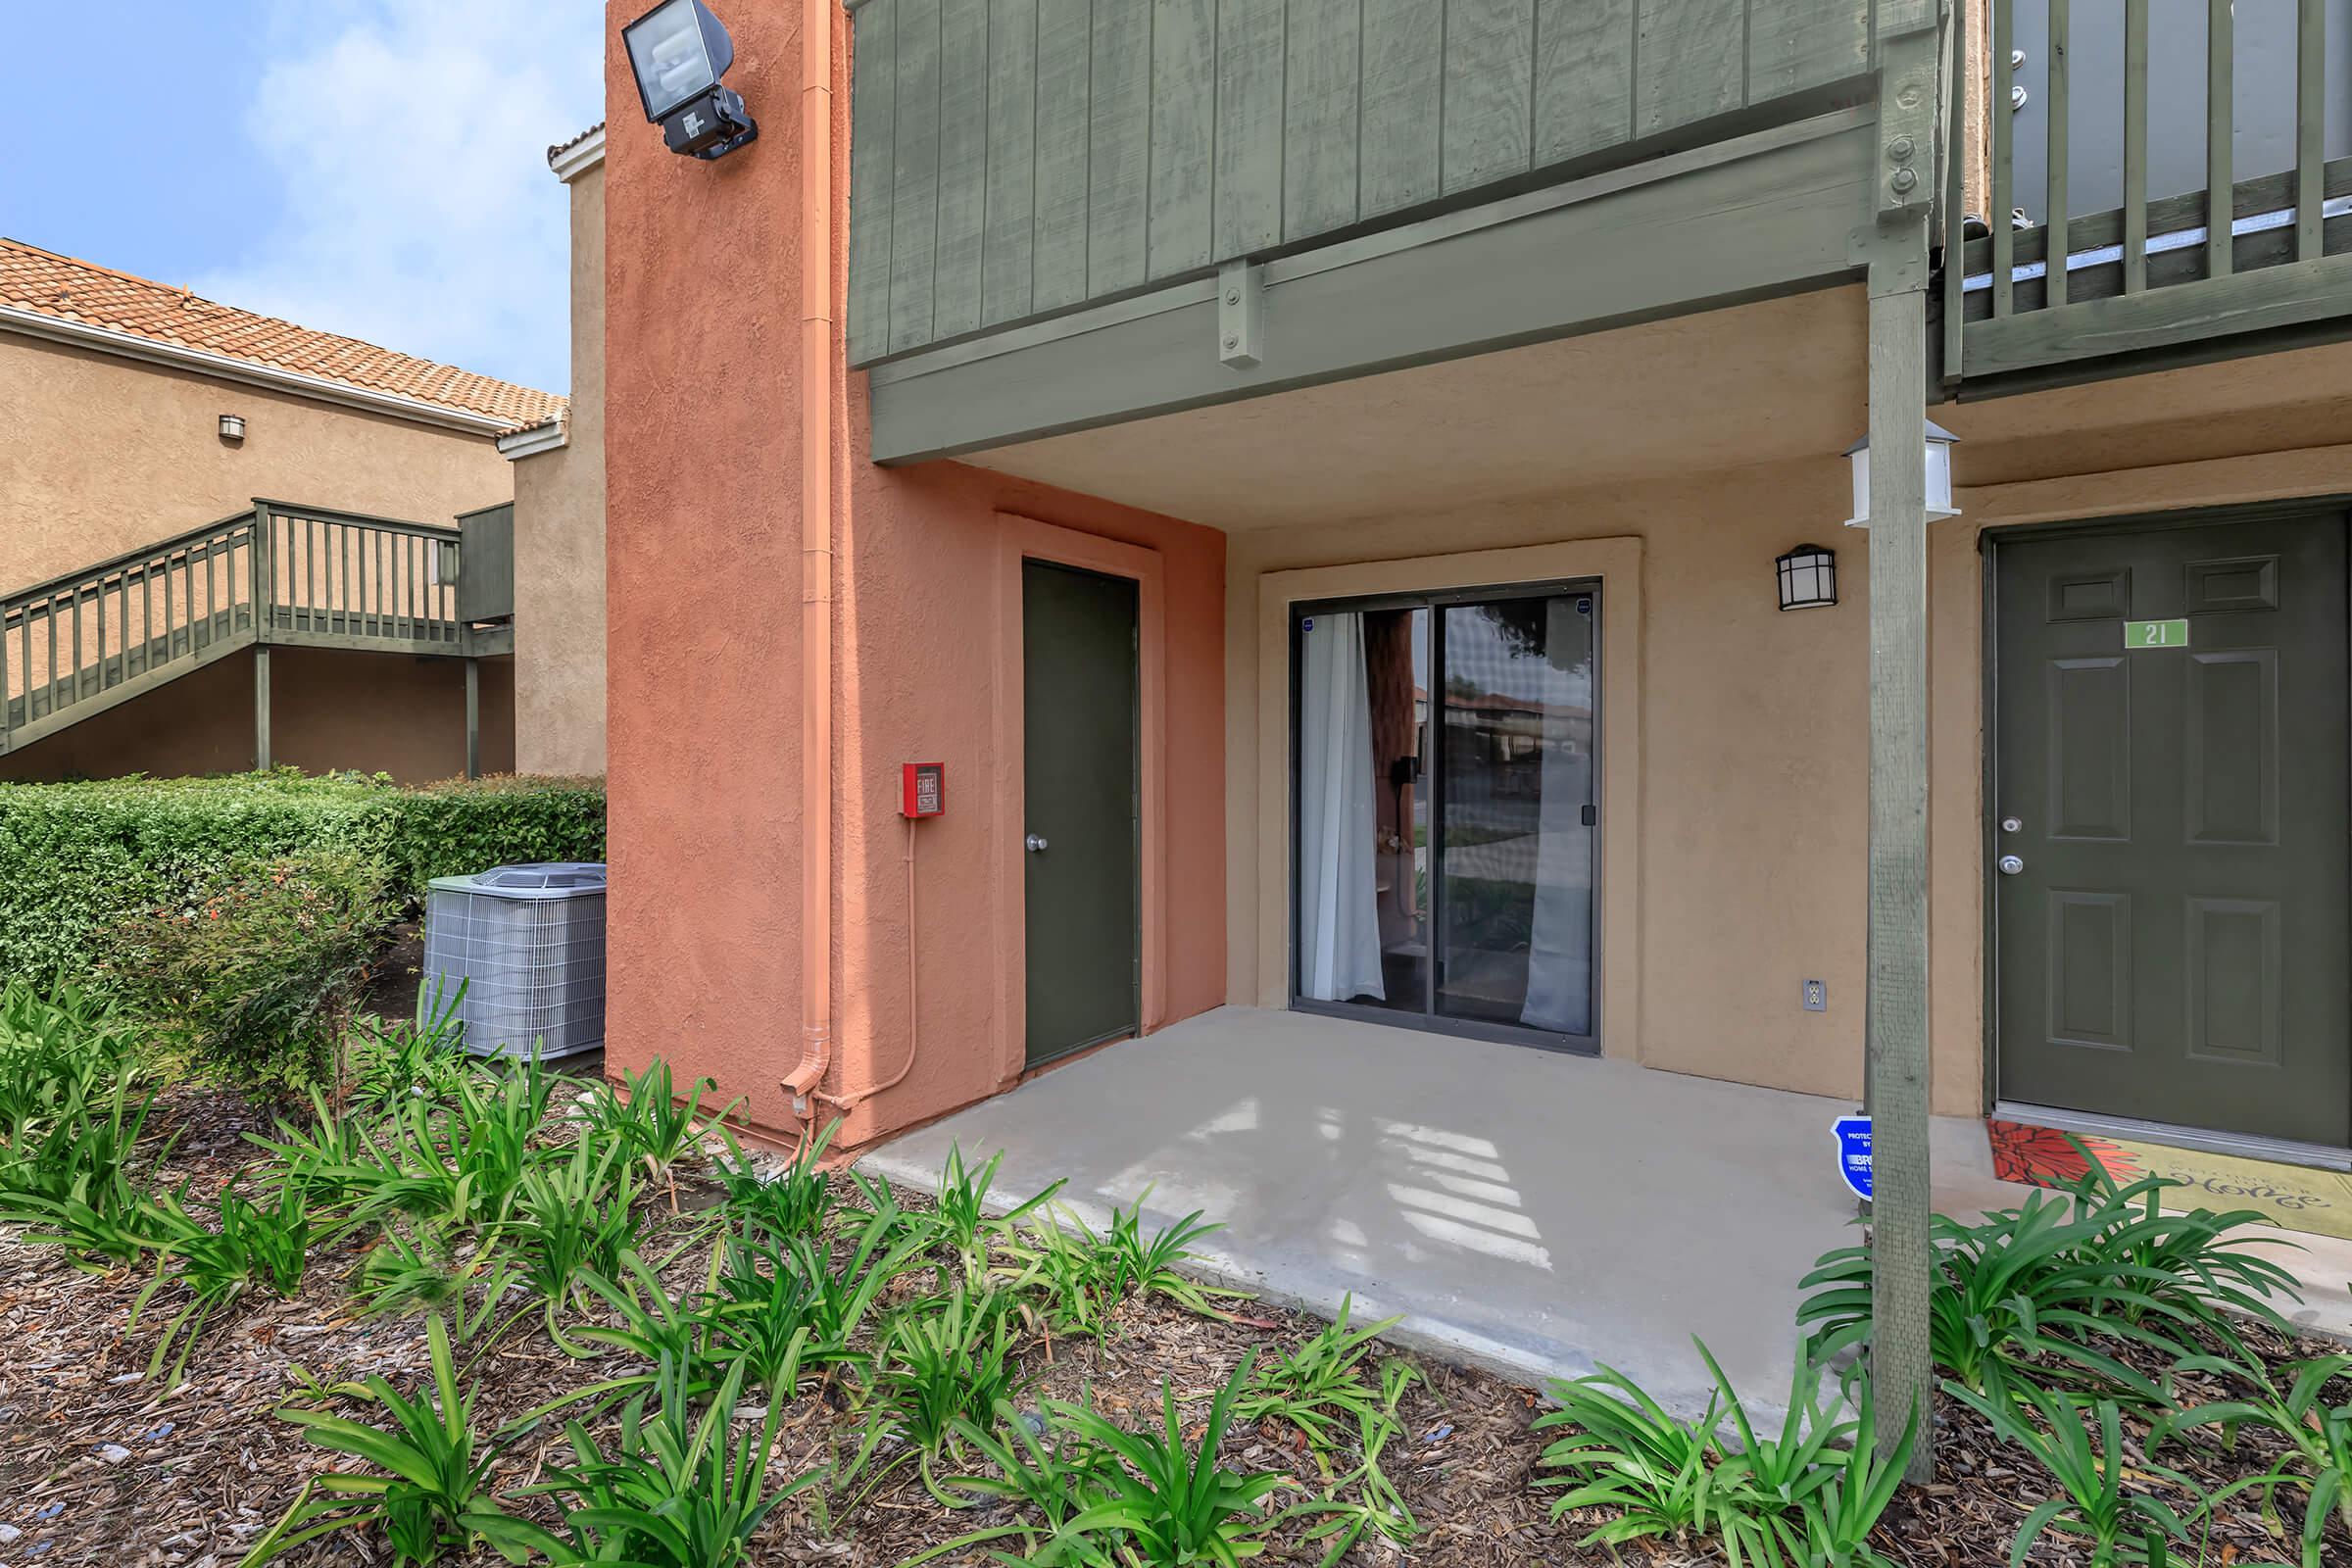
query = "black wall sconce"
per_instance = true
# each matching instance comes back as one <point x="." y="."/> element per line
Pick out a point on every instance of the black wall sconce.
<point x="678" y="52"/>
<point x="1808" y="577"/>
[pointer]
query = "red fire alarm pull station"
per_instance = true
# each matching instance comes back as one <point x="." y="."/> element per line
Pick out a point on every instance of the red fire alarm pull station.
<point x="923" y="789"/>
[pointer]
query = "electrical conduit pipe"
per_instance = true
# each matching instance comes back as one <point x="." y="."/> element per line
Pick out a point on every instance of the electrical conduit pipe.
<point x="816" y="559"/>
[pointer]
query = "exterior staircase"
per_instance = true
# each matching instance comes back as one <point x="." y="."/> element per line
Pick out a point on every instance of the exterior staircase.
<point x="279" y="574"/>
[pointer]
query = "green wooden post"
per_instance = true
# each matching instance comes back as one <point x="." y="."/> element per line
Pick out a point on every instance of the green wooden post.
<point x="1897" y="1005"/>
<point x="473" y="717"/>
<point x="1911" y="83"/>
<point x="261" y="707"/>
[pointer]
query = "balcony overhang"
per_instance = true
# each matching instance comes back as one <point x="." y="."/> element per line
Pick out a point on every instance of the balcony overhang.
<point x="1759" y="215"/>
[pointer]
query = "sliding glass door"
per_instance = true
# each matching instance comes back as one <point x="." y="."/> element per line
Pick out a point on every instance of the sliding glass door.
<point x="1445" y="784"/>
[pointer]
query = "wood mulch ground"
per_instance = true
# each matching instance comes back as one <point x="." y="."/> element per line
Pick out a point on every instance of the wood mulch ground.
<point x="99" y="1465"/>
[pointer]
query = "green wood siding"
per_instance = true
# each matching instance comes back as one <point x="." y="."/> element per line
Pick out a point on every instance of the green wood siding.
<point x="1014" y="158"/>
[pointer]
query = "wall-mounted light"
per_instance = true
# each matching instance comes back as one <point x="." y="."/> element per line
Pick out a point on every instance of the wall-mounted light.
<point x="1940" y="477"/>
<point x="1808" y="577"/>
<point x="232" y="428"/>
<point x="677" y="52"/>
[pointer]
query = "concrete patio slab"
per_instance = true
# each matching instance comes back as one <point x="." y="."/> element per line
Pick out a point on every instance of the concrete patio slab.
<point x="1533" y="1212"/>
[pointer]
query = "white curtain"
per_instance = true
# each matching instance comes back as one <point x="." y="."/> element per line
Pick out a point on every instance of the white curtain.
<point x="1559" y="958"/>
<point x="1338" y="914"/>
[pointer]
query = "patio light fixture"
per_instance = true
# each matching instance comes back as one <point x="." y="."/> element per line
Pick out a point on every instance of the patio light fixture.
<point x="677" y="52"/>
<point x="1940" y="477"/>
<point x="1808" y="577"/>
<point x="232" y="428"/>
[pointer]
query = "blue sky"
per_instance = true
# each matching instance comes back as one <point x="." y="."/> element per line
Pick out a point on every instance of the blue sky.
<point x="370" y="167"/>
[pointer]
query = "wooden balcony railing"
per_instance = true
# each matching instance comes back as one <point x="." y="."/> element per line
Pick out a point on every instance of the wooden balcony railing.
<point x="281" y="573"/>
<point x="2153" y="277"/>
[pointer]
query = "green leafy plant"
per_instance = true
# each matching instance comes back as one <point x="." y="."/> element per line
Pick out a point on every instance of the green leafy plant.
<point x="945" y="1366"/>
<point x="61" y="1049"/>
<point x="651" y="1117"/>
<point x="72" y="1184"/>
<point x="420" y="1056"/>
<point x="1147" y="1265"/>
<point x="1169" y="1502"/>
<point x="2191" y="1266"/>
<point x="2091" y="1505"/>
<point x="1809" y="1494"/>
<point x="1077" y="1277"/>
<point x="842" y="1293"/>
<point x="570" y="1217"/>
<point x="675" y="1489"/>
<point x="2316" y="1434"/>
<point x="428" y="1491"/>
<point x="251" y="1246"/>
<point x="796" y="1202"/>
<point x="962" y="1216"/>
<point x="1623" y="1451"/>
<point x="330" y="1158"/>
<point x="1838" y="1516"/>
<point x="2015" y="1298"/>
<point x="762" y="1306"/>
<point x="412" y="1269"/>
<point x="649" y="1323"/>
<point x="1049" y="1470"/>
<point x="256" y="972"/>
<point x="459" y="1168"/>
<point x="1320" y="1385"/>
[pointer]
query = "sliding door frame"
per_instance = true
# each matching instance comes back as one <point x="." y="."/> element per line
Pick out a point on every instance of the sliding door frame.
<point x="1427" y="1019"/>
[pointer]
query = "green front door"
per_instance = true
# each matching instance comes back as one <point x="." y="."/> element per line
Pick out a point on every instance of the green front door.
<point x="1078" y="640"/>
<point x="2170" y="825"/>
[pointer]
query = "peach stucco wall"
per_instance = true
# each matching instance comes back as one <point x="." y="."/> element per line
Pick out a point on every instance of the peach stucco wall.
<point x="703" y="710"/>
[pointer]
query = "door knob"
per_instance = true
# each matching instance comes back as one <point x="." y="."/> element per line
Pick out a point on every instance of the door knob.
<point x="2011" y="864"/>
<point x="1037" y="842"/>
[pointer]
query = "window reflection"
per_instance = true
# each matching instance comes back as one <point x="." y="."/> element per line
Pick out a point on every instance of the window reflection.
<point x="1481" y="779"/>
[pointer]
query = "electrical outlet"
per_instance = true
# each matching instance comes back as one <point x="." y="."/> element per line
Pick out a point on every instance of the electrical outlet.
<point x="1817" y="996"/>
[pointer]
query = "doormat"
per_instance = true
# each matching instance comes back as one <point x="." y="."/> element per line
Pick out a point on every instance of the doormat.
<point x="2298" y="1196"/>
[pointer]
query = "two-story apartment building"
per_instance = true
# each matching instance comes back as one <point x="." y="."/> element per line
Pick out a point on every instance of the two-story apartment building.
<point x="145" y="420"/>
<point x="1354" y="496"/>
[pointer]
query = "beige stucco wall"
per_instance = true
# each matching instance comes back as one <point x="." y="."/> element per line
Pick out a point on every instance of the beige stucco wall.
<point x="1750" y="723"/>
<point x="559" y="538"/>
<point x="1748" y="738"/>
<point x="377" y="713"/>
<point x="107" y="454"/>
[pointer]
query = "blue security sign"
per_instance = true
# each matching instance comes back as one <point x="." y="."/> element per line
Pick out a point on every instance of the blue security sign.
<point x="1854" y="1153"/>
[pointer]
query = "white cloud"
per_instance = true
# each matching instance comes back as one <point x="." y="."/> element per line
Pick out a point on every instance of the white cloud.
<point x="411" y="139"/>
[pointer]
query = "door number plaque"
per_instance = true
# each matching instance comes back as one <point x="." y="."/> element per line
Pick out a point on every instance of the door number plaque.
<point x="2141" y="634"/>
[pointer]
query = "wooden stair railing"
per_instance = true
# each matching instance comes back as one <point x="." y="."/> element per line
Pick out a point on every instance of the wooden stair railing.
<point x="281" y="573"/>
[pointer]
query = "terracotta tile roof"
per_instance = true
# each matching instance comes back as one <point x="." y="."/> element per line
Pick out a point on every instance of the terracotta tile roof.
<point x="563" y="147"/>
<point x="70" y="290"/>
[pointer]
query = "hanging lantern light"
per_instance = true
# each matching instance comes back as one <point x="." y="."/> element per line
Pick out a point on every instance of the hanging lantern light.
<point x="1940" y="477"/>
<point x="1808" y="577"/>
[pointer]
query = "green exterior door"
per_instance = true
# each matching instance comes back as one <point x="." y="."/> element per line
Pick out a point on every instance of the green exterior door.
<point x="2171" y="901"/>
<point x="1082" y="900"/>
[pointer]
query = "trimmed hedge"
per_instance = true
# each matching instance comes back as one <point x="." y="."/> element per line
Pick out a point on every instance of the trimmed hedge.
<point x="76" y="860"/>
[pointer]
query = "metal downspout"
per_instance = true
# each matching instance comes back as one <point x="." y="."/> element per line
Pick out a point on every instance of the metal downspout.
<point x="817" y="556"/>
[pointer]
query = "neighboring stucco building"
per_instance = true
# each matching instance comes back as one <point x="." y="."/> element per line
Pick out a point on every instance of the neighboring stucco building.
<point x="140" y="412"/>
<point x="560" y="512"/>
<point x="1316" y="477"/>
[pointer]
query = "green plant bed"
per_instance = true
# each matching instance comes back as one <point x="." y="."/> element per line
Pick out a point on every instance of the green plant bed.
<point x="476" y="1310"/>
